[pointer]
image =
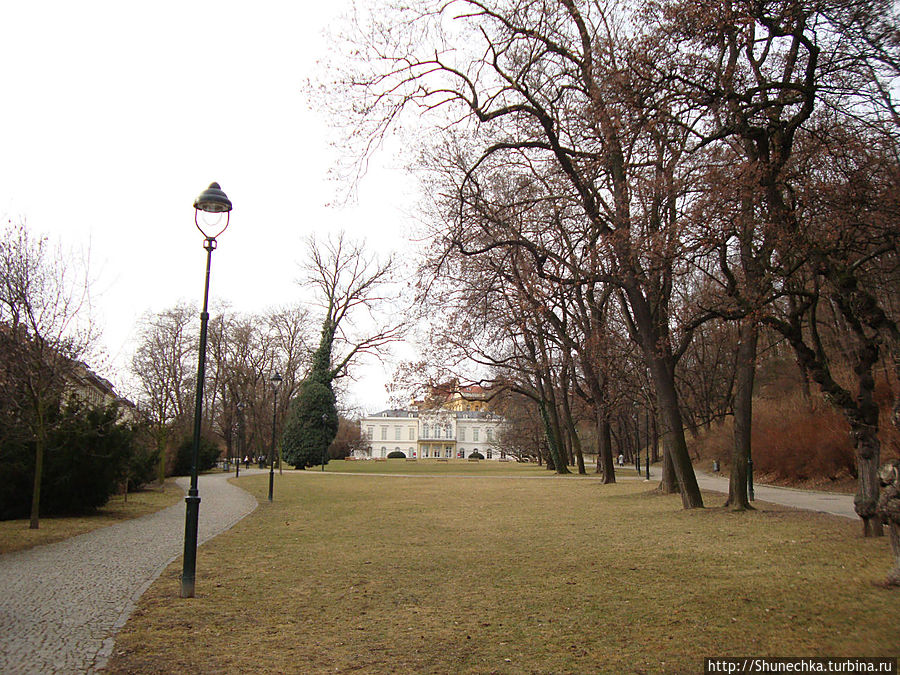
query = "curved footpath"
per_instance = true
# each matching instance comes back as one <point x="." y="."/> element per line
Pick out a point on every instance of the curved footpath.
<point x="62" y="604"/>
<point x="832" y="503"/>
<point x="824" y="502"/>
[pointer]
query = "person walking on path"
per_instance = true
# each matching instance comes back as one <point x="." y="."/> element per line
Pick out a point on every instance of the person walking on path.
<point x="62" y="604"/>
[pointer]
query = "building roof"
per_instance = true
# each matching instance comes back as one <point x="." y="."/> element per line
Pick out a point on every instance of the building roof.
<point x="394" y="412"/>
<point x="458" y="414"/>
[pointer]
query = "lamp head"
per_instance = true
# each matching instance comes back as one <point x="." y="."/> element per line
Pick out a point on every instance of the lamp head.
<point x="213" y="200"/>
<point x="276" y="379"/>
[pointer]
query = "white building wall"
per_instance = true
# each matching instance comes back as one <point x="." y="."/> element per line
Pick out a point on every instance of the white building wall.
<point x="434" y="433"/>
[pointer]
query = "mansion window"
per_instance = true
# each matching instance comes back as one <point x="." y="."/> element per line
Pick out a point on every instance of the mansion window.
<point x="384" y="433"/>
<point x="412" y="433"/>
<point x="475" y="435"/>
<point x="396" y="433"/>
<point x="489" y="434"/>
<point x="370" y="433"/>
<point x="462" y="433"/>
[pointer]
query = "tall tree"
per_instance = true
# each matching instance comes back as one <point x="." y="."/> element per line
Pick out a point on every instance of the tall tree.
<point x="162" y="362"/>
<point x="783" y="82"/>
<point x="351" y="286"/>
<point x="544" y="90"/>
<point x="45" y="331"/>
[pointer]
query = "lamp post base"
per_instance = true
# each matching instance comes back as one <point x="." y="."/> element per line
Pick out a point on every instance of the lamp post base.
<point x="187" y="587"/>
<point x="189" y="568"/>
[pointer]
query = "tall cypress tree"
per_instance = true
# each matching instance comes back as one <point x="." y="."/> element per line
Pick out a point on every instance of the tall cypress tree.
<point x="313" y="419"/>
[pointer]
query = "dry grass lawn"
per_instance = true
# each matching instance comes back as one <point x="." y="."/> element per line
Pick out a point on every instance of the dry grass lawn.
<point x="371" y="574"/>
<point x="15" y="535"/>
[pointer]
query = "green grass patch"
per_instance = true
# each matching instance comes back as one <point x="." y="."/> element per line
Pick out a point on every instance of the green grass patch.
<point x="15" y="535"/>
<point x="482" y="467"/>
<point x="369" y="574"/>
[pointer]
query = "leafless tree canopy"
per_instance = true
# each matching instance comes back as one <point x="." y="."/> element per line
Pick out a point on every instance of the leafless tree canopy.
<point x="660" y="185"/>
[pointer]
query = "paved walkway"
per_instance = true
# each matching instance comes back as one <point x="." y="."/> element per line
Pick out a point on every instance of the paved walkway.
<point x="61" y="604"/>
<point x="822" y="502"/>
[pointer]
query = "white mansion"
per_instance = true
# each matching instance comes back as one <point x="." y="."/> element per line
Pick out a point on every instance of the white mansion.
<point x="461" y="428"/>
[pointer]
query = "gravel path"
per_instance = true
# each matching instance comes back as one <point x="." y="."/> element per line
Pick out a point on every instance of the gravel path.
<point x="809" y="500"/>
<point x="824" y="502"/>
<point x="61" y="604"/>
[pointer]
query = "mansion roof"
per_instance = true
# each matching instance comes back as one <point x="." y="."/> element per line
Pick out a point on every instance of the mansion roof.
<point x="437" y="412"/>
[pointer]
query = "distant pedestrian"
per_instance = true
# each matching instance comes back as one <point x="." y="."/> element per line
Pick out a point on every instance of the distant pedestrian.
<point x="621" y="459"/>
<point x="247" y="461"/>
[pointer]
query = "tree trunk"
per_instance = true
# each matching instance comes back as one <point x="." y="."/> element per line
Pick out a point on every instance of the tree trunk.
<point x="866" y="500"/>
<point x="738" y="498"/>
<point x="888" y="512"/>
<point x="604" y="448"/>
<point x="579" y="455"/>
<point x="552" y="441"/>
<point x="861" y="412"/>
<point x="668" y="484"/>
<point x="605" y="463"/>
<point x="680" y="473"/>
<point x="658" y="355"/>
<point x="894" y="575"/>
<point x="161" y="446"/>
<point x="39" y="443"/>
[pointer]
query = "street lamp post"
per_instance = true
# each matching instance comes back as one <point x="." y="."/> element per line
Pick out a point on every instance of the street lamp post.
<point x="637" y="445"/>
<point x="240" y="444"/>
<point x="324" y="447"/>
<point x="750" y="477"/>
<point x="276" y="380"/>
<point x="647" y="434"/>
<point x="211" y="200"/>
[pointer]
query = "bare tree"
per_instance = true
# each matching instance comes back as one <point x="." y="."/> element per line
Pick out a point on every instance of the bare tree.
<point x="359" y="299"/>
<point x="788" y="88"/>
<point x="545" y="89"/>
<point x="245" y="350"/>
<point x="45" y="331"/>
<point x="167" y="348"/>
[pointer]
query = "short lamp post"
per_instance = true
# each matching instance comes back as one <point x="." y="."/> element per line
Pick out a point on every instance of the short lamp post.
<point x="647" y="435"/>
<point x="212" y="200"/>
<point x="240" y="444"/>
<point x="750" y="495"/>
<point x="324" y="447"/>
<point x="276" y="379"/>
<point x="637" y="445"/>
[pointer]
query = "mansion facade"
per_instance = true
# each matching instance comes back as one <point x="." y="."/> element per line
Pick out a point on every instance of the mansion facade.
<point x="441" y="433"/>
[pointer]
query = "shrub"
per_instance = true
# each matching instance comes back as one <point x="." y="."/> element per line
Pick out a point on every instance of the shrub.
<point x="396" y="454"/>
<point x="792" y="440"/>
<point x="311" y="425"/>
<point x="476" y="455"/>
<point x="143" y="465"/>
<point x="207" y="456"/>
<point x="84" y="461"/>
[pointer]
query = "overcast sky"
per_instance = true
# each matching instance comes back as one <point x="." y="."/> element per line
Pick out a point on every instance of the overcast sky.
<point x="116" y="115"/>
